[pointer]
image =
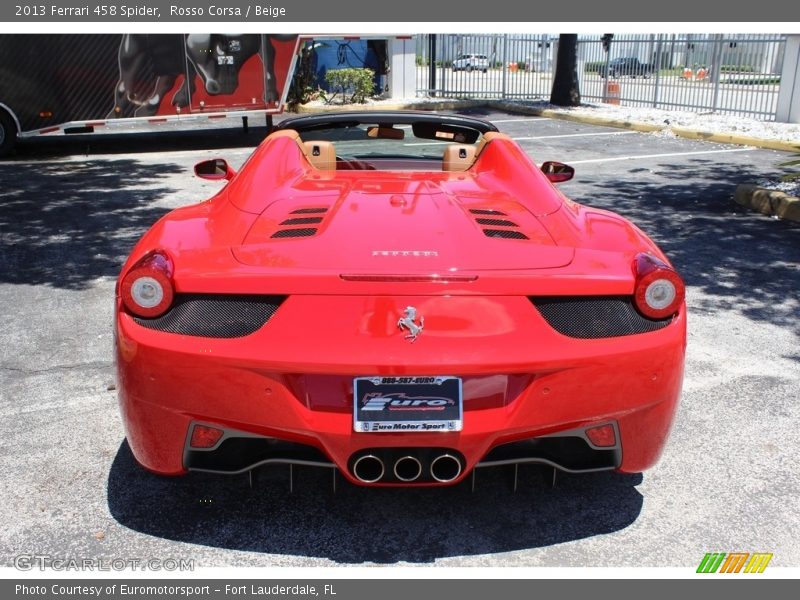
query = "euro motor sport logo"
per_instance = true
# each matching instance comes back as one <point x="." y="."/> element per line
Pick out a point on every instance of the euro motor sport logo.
<point x="400" y="401"/>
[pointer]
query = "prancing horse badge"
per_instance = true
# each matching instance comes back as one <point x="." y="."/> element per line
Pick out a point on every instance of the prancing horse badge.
<point x="409" y="322"/>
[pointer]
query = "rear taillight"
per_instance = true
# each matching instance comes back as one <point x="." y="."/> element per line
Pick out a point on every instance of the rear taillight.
<point x="659" y="290"/>
<point x="147" y="289"/>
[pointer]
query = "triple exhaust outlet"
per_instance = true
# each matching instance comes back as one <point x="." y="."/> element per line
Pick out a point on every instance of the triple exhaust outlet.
<point x="438" y="466"/>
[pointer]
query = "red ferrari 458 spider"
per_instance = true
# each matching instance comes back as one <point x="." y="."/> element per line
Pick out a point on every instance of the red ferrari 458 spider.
<point x="404" y="298"/>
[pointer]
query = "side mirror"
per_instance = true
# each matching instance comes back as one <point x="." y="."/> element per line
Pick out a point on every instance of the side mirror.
<point x="214" y="169"/>
<point x="557" y="172"/>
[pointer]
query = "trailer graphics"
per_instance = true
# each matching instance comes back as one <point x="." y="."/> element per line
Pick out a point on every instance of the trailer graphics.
<point x="75" y="83"/>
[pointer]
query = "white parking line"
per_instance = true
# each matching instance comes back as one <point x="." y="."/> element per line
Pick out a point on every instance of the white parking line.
<point x="571" y="135"/>
<point x="539" y="137"/>
<point x="641" y="156"/>
<point x="528" y="120"/>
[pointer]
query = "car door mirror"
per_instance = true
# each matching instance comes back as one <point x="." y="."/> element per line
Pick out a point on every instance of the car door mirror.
<point x="214" y="169"/>
<point x="557" y="172"/>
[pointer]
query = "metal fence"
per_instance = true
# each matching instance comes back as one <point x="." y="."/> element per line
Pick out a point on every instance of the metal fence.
<point x="732" y="74"/>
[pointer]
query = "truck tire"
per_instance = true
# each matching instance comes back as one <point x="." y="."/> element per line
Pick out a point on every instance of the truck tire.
<point x="8" y="133"/>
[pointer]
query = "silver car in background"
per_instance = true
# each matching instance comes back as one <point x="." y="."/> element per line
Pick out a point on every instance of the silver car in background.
<point x="471" y="62"/>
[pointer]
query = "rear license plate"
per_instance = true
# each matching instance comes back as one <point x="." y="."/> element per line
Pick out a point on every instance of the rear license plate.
<point x="398" y="404"/>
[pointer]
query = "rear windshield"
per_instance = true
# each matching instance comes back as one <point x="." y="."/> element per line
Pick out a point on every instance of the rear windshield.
<point x="396" y="147"/>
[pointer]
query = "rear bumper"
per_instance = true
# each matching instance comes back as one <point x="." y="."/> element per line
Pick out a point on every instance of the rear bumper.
<point x="523" y="383"/>
<point x="238" y="452"/>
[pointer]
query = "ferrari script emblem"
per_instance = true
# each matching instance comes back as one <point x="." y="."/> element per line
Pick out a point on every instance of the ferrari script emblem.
<point x="409" y="322"/>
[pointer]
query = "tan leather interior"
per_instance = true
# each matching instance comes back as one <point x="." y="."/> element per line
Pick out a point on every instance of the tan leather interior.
<point x="290" y="133"/>
<point x="488" y="137"/>
<point x="458" y="157"/>
<point x="321" y="154"/>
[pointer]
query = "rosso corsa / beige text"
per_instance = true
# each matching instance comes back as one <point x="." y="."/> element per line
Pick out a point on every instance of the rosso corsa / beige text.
<point x="225" y="11"/>
<point x="212" y="11"/>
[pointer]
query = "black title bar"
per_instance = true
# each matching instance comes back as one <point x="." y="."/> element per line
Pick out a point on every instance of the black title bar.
<point x="360" y="11"/>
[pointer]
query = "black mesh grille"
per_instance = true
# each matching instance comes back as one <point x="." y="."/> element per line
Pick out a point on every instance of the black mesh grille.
<point x="290" y="233"/>
<point x="486" y="211"/>
<point x="215" y="315"/>
<point x="596" y="316"/>
<point x="508" y="234"/>
<point x="497" y="222"/>
<point x="302" y="221"/>
<point x="308" y="211"/>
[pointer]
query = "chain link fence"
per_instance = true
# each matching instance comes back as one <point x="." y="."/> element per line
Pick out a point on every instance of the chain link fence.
<point x="715" y="73"/>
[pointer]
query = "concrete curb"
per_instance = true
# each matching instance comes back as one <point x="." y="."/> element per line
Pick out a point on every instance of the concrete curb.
<point x="768" y="202"/>
<point x="441" y="105"/>
<point x="682" y="132"/>
<point x="554" y="114"/>
<point x="739" y="140"/>
<point x="691" y="134"/>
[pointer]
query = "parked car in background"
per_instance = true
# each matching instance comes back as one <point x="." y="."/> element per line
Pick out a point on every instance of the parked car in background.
<point x="471" y="62"/>
<point x="627" y="66"/>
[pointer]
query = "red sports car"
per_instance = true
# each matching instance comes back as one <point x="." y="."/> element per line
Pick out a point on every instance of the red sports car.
<point x="403" y="298"/>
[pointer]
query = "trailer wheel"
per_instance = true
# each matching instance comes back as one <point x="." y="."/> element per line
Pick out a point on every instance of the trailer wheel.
<point x="8" y="133"/>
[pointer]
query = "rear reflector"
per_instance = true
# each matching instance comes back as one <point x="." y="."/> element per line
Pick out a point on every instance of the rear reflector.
<point x="205" y="437"/>
<point x="603" y="436"/>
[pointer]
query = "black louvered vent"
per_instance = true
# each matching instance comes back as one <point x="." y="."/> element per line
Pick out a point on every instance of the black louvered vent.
<point x="302" y="221"/>
<point x="497" y="222"/>
<point x="308" y="211"/>
<point x="492" y="222"/>
<point x="292" y="233"/>
<point x="215" y="315"/>
<point x="596" y="316"/>
<point x="509" y="234"/>
<point x="486" y="211"/>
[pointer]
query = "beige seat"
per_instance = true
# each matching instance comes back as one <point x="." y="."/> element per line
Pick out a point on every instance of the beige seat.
<point x="488" y="137"/>
<point x="460" y="157"/>
<point x="321" y="154"/>
<point x="290" y="133"/>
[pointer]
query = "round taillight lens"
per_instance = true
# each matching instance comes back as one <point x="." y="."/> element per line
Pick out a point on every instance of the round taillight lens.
<point x="660" y="294"/>
<point x="146" y="289"/>
<point x="147" y="292"/>
<point x="659" y="290"/>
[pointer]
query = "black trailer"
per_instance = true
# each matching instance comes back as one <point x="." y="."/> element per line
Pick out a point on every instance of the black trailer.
<point x="76" y="83"/>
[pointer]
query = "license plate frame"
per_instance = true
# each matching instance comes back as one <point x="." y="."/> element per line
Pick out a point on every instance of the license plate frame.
<point x="408" y="404"/>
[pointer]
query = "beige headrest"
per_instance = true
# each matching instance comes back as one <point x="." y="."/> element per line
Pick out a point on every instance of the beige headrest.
<point x="488" y="137"/>
<point x="458" y="157"/>
<point x="290" y="133"/>
<point x="321" y="154"/>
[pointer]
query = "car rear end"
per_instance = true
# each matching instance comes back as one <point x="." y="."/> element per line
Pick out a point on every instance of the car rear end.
<point x="412" y="329"/>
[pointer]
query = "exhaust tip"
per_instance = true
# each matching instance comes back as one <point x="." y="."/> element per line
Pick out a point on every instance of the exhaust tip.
<point x="445" y="468"/>
<point x="368" y="468"/>
<point x="407" y="468"/>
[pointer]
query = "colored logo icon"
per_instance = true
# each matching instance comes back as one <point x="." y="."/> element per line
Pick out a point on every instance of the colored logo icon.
<point x="734" y="562"/>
